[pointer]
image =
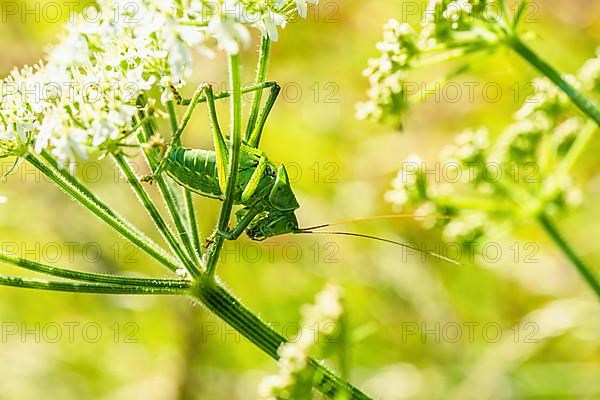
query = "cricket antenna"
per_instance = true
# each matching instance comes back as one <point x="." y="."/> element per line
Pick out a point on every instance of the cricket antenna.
<point x="380" y="239"/>
<point x="313" y="230"/>
<point x="376" y="217"/>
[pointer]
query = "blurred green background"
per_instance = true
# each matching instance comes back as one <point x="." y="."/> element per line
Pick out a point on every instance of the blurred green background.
<point x="420" y="330"/>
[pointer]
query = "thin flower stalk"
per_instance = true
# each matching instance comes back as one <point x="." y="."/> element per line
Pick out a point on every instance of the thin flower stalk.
<point x="261" y="76"/>
<point x="100" y="210"/>
<point x="92" y="277"/>
<point x="234" y="160"/>
<point x="171" y="196"/>
<point x="450" y="30"/>
<point x="27" y="283"/>
<point x="576" y="96"/>
<point x="162" y="226"/>
<point x="586" y="272"/>
<point x="192" y="225"/>
<point x="224" y="95"/>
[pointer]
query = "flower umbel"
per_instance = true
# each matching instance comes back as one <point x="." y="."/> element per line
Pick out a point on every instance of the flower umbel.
<point x="524" y="172"/>
<point x="294" y="377"/>
<point x="81" y="99"/>
<point x="449" y="29"/>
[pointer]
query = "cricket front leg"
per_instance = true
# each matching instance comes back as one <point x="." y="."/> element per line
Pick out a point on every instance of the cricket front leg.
<point x="253" y="211"/>
<point x="242" y="224"/>
<point x="178" y="129"/>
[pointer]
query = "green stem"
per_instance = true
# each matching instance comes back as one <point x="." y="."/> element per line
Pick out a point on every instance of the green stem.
<point x="583" y="269"/>
<point x="76" y="183"/>
<point x="103" y="212"/>
<point x="433" y="56"/>
<point x="583" y="103"/>
<point x="172" y="119"/>
<point x="193" y="227"/>
<point x="234" y="160"/>
<point x="224" y="95"/>
<point x="227" y="307"/>
<point x="261" y="75"/>
<point x="178" y="209"/>
<point x="91" y="277"/>
<point x="85" y="287"/>
<point x="155" y="215"/>
<point x="581" y="142"/>
<point x="169" y="190"/>
<point x="193" y="243"/>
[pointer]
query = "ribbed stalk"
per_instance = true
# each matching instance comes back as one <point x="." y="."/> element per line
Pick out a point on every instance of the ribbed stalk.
<point x="586" y="272"/>
<point x="227" y="307"/>
<point x="582" y="102"/>
<point x="103" y="212"/>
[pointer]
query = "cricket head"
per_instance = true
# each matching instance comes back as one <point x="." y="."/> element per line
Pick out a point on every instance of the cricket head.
<point x="274" y="223"/>
<point x="278" y="215"/>
<point x="282" y="198"/>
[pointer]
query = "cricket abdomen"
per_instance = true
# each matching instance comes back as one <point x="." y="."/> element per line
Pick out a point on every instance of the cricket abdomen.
<point x="195" y="170"/>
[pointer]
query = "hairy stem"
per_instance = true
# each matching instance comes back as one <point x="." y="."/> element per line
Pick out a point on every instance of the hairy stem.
<point x="227" y="307"/>
<point x="169" y="190"/>
<point x="76" y="183"/>
<point x="568" y="251"/>
<point x="584" y="138"/>
<point x="193" y="226"/>
<point x="101" y="210"/>
<point x="224" y="95"/>
<point x="189" y="204"/>
<point x="582" y="102"/>
<point x="261" y="75"/>
<point x="155" y="214"/>
<point x="234" y="160"/>
<point x="86" y="287"/>
<point x="91" y="277"/>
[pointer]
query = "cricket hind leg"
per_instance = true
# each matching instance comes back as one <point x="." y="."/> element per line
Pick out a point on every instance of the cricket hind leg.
<point x="254" y="180"/>
<point x="221" y="149"/>
<point x="256" y="125"/>
<point x="255" y="133"/>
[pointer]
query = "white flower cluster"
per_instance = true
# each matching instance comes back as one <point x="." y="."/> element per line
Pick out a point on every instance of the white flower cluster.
<point x="447" y="26"/>
<point x="228" y="24"/>
<point x="83" y="95"/>
<point x="387" y="73"/>
<point x="293" y="361"/>
<point x="589" y="74"/>
<point x="82" y="98"/>
<point x="518" y="175"/>
<point x="459" y="22"/>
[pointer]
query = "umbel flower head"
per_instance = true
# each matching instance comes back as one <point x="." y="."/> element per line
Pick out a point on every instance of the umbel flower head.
<point x="387" y="73"/>
<point x="293" y="376"/>
<point x="525" y="171"/>
<point x="448" y="29"/>
<point x="81" y="99"/>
